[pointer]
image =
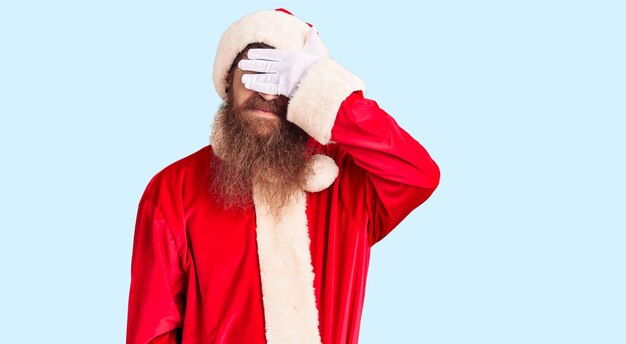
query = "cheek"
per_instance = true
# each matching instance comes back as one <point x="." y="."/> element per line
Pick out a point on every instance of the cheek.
<point x="241" y="95"/>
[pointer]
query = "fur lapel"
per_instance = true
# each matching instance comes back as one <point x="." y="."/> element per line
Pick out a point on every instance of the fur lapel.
<point x="291" y="315"/>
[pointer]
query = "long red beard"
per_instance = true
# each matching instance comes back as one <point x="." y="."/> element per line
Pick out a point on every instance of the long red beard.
<point x="269" y="155"/>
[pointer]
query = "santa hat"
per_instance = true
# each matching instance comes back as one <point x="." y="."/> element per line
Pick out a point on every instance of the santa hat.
<point x="278" y="28"/>
<point x="322" y="88"/>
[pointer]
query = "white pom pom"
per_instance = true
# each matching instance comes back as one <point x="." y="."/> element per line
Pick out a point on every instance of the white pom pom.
<point x="324" y="173"/>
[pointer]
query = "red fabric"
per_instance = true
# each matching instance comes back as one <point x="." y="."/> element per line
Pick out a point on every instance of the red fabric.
<point x="195" y="266"/>
<point x="285" y="11"/>
<point x="165" y="338"/>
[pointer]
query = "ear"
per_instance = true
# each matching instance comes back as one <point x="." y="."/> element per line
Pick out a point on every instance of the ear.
<point x="228" y="82"/>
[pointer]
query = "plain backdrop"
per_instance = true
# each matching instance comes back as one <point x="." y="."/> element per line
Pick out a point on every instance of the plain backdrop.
<point x="521" y="103"/>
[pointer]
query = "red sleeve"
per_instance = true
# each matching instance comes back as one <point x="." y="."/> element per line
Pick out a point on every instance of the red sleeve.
<point x="166" y="338"/>
<point x="155" y="304"/>
<point x="399" y="173"/>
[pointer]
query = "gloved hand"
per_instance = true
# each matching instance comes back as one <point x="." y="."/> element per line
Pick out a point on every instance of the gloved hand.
<point x="281" y="70"/>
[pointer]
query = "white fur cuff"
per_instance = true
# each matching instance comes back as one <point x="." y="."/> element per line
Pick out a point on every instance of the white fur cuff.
<point x="322" y="89"/>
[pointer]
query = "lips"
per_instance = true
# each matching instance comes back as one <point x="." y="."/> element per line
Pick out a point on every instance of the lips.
<point x="274" y="111"/>
<point x="277" y="106"/>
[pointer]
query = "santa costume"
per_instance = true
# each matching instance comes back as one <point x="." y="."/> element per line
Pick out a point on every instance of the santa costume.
<point x="205" y="274"/>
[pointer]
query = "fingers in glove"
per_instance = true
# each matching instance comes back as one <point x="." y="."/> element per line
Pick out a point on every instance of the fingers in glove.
<point x="266" y="54"/>
<point x="262" y="87"/>
<point x="261" y="78"/>
<point x="257" y="65"/>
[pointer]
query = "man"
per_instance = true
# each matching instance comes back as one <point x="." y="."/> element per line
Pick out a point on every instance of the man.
<point x="264" y="236"/>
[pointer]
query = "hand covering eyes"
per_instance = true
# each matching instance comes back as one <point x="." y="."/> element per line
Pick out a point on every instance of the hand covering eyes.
<point x="280" y="71"/>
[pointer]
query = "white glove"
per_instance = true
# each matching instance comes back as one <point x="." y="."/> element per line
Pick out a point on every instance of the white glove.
<point x="281" y="70"/>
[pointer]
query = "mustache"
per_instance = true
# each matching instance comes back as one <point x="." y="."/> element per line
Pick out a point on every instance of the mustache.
<point x="277" y="106"/>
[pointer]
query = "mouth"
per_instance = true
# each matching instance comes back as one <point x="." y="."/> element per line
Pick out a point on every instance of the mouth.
<point x="264" y="113"/>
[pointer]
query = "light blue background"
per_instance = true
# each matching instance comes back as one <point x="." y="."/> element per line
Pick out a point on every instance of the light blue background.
<point x="521" y="103"/>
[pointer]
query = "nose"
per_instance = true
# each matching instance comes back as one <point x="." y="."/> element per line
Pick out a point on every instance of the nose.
<point x="268" y="96"/>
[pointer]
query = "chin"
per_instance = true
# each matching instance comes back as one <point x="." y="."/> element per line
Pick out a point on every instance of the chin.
<point x="264" y="128"/>
<point x="266" y="131"/>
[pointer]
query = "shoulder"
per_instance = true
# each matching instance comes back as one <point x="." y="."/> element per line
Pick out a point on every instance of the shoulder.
<point x="181" y="174"/>
<point x="344" y="161"/>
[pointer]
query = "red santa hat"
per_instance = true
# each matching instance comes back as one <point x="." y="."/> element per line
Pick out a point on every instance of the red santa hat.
<point x="278" y="28"/>
<point x="322" y="88"/>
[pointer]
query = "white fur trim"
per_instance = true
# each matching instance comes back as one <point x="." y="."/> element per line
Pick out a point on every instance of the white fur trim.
<point x="276" y="28"/>
<point x="291" y="315"/>
<point x="322" y="89"/>
<point x="324" y="173"/>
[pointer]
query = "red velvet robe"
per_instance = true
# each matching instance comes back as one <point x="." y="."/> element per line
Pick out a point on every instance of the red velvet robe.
<point x="195" y="274"/>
